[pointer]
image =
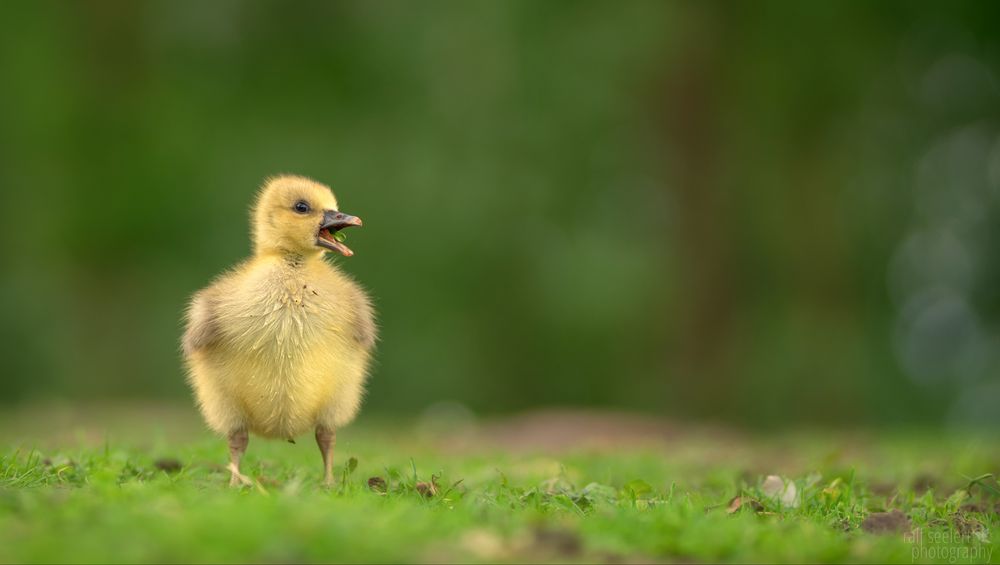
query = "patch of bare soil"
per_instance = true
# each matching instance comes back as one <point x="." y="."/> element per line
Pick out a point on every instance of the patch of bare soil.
<point x="886" y="523"/>
<point x="168" y="465"/>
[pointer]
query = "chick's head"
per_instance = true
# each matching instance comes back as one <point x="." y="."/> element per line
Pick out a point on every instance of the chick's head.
<point x="300" y="216"/>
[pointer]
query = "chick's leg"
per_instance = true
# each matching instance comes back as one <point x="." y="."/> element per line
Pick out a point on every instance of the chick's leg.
<point x="238" y="441"/>
<point x="325" y="439"/>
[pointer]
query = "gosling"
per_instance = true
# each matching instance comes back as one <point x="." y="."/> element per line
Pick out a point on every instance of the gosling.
<point x="281" y="344"/>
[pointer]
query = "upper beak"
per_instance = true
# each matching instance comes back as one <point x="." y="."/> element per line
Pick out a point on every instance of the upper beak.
<point x="334" y="221"/>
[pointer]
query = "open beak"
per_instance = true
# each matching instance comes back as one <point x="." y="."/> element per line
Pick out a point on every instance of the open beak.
<point x="329" y="236"/>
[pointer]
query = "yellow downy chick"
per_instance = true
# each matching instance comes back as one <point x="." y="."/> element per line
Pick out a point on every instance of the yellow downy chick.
<point x="280" y="345"/>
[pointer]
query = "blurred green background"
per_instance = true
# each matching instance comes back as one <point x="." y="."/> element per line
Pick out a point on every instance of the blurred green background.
<point x="766" y="213"/>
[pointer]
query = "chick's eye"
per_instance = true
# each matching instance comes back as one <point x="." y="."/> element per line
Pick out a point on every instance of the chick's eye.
<point x="302" y="207"/>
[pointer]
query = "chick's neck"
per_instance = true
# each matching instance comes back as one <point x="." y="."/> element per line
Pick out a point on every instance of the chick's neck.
<point x="291" y="258"/>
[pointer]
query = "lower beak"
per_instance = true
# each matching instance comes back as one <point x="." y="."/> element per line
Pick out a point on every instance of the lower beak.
<point x="329" y="236"/>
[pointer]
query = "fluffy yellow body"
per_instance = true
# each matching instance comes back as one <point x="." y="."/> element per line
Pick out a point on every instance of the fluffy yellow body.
<point x="290" y="350"/>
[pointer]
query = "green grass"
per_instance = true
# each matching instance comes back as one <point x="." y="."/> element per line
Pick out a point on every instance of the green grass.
<point x="80" y="500"/>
